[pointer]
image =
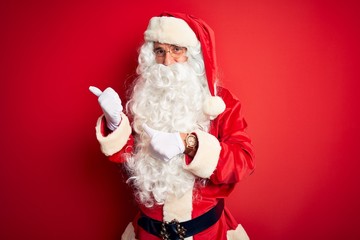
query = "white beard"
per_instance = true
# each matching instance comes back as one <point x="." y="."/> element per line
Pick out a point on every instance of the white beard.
<point x="169" y="99"/>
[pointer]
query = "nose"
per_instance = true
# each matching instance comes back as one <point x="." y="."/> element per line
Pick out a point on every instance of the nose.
<point x="168" y="60"/>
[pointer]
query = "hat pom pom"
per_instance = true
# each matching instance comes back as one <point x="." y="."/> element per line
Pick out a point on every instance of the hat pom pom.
<point x="213" y="106"/>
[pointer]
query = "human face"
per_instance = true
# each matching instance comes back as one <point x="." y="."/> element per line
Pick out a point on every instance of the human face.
<point x="168" y="54"/>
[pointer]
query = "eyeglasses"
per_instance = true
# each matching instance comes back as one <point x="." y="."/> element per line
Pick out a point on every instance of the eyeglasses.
<point x="175" y="51"/>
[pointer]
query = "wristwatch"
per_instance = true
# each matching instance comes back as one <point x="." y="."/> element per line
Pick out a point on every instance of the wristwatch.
<point x="191" y="143"/>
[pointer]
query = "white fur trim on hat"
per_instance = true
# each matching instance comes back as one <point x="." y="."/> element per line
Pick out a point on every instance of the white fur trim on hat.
<point x="172" y="31"/>
<point x="213" y="106"/>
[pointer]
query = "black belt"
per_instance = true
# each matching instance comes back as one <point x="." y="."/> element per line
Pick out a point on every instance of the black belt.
<point x="176" y="230"/>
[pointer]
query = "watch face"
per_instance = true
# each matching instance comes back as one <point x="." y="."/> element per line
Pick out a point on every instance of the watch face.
<point x="191" y="141"/>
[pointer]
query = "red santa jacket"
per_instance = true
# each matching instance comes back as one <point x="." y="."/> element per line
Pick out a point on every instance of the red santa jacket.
<point x="224" y="157"/>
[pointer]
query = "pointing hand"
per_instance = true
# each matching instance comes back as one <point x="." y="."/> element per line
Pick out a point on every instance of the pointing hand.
<point x="110" y="104"/>
<point x="164" y="145"/>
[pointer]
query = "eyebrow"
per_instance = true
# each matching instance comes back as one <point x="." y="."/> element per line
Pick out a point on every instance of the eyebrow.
<point x="157" y="48"/>
<point x="171" y="45"/>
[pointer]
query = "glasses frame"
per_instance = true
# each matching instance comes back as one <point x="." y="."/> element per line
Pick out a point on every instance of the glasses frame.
<point x="174" y="51"/>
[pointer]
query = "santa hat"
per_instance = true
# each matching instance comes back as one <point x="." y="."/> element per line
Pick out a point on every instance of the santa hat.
<point x="187" y="31"/>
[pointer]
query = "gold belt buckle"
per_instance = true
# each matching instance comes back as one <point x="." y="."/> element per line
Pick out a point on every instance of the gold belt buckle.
<point x="180" y="230"/>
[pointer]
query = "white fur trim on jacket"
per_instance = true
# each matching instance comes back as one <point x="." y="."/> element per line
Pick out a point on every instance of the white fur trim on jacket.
<point x="170" y="30"/>
<point x="179" y="208"/>
<point x="129" y="233"/>
<point x="206" y="157"/>
<point x="237" y="234"/>
<point x="116" y="140"/>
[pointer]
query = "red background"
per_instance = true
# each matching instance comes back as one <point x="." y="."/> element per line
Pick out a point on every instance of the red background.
<point x="293" y="64"/>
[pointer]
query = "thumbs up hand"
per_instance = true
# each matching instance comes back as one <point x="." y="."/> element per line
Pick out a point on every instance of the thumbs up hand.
<point x="164" y="145"/>
<point x="110" y="103"/>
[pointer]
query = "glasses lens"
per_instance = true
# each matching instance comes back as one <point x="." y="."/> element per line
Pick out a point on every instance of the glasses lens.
<point x="175" y="51"/>
<point x="159" y="52"/>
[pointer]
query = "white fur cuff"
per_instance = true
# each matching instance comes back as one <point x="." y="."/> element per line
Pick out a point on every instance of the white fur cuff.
<point x="116" y="140"/>
<point x="206" y="157"/>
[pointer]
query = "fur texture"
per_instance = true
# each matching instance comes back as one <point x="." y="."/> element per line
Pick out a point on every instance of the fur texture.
<point x="169" y="99"/>
<point x="170" y="30"/>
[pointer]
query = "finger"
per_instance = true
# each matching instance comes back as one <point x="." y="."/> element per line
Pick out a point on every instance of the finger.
<point x="95" y="90"/>
<point x="151" y="132"/>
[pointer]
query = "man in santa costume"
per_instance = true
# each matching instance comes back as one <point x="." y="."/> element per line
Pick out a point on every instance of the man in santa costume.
<point x="181" y="137"/>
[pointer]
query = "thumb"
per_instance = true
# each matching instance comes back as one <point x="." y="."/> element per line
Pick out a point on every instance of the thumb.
<point x="95" y="90"/>
<point x="151" y="132"/>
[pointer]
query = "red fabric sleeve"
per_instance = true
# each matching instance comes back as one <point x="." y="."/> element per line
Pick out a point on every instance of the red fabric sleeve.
<point x="118" y="157"/>
<point x="236" y="157"/>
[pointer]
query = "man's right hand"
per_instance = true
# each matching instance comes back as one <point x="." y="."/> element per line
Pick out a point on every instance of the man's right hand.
<point x="165" y="145"/>
<point x="110" y="104"/>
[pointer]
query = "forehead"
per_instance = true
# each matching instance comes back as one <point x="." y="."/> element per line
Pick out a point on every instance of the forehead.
<point x="163" y="45"/>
